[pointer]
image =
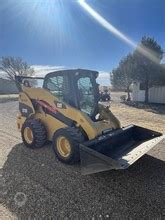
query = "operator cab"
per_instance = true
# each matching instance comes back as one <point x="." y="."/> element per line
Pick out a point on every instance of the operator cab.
<point x="76" y="87"/>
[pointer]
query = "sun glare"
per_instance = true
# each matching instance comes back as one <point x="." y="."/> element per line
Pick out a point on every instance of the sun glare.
<point x="48" y="21"/>
<point x="107" y="25"/>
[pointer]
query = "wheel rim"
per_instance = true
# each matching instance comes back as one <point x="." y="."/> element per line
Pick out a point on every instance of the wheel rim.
<point x="28" y="135"/>
<point x="63" y="146"/>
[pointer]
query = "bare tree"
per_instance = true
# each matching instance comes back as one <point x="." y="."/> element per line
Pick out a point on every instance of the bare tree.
<point x="15" y="66"/>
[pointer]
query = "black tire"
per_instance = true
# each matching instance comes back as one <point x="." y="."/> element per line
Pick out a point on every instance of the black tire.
<point x="38" y="132"/>
<point x="75" y="137"/>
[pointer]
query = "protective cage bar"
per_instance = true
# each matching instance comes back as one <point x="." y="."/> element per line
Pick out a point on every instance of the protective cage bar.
<point x="19" y="79"/>
<point x="118" y="149"/>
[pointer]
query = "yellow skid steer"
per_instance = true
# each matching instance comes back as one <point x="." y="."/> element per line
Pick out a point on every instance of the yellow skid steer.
<point x="63" y="107"/>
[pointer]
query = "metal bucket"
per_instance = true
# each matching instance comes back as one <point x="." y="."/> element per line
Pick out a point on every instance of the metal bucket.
<point x="117" y="149"/>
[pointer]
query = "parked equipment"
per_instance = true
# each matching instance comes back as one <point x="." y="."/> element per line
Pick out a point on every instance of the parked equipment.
<point x="66" y="111"/>
<point x="105" y="97"/>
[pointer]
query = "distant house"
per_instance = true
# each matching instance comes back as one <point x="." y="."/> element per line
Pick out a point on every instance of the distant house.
<point x="156" y="93"/>
<point x="7" y="87"/>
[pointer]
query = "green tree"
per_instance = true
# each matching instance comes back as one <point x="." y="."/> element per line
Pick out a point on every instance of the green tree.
<point x="149" y="70"/>
<point x="142" y="65"/>
<point x="124" y="74"/>
<point x="117" y="79"/>
<point x="15" y="66"/>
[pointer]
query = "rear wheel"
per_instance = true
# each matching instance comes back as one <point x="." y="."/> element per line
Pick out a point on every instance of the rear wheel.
<point x="66" y="144"/>
<point x="33" y="133"/>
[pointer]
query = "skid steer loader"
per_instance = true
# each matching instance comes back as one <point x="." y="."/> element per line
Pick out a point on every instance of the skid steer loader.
<point x="63" y="107"/>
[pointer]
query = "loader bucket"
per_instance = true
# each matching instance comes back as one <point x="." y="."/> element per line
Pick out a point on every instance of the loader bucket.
<point x="117" y="149"/>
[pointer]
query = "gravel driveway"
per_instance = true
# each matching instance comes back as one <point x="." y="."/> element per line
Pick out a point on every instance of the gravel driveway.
<point x="34" y="185"/>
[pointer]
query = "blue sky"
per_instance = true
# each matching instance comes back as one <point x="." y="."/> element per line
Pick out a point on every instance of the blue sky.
<point x="62" y="33"/>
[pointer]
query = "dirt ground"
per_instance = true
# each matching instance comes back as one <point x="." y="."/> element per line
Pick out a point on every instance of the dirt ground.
<point x="132" y="115"/>
<point x="34" y="185"/>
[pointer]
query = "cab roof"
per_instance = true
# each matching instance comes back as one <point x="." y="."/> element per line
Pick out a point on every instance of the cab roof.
<point x="72" y="71"/>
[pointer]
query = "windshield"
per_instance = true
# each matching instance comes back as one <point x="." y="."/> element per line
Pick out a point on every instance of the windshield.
<point x="86" y="94"/>
<point x="55" y="85"/>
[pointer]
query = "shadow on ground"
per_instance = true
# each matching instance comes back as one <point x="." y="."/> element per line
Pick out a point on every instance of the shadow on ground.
<point x="35" y="185"/>
<point x="154" y="108"/>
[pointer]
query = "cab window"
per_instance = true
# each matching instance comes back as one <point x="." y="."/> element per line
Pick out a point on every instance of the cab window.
<point x="86" y="95"/>
<point x="55" y="85"/>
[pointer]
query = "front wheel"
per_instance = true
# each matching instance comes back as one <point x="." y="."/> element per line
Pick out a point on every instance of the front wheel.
<point x="66" y="144"/>
<point x="34" y="133"/>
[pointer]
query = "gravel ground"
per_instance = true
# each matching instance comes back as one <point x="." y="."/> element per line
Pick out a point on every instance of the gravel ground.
<point x="34" y="185"/>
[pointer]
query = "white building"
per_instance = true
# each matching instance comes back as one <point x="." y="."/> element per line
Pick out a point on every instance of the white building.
<point x="156" y="93"/>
